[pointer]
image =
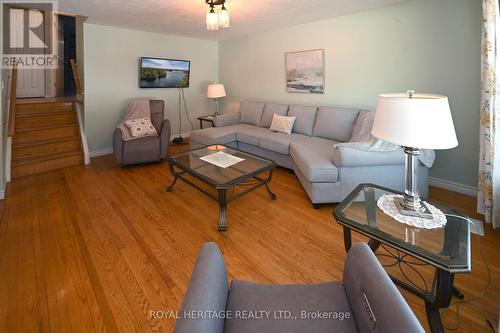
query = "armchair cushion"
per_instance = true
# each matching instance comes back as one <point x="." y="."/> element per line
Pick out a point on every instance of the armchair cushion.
<point x="140" y="127"/>
<point x="141" y="150"/>
<point x="302" y="302"/>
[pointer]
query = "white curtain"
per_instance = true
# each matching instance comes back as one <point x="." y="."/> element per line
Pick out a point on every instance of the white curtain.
<point x="488" y="199"/>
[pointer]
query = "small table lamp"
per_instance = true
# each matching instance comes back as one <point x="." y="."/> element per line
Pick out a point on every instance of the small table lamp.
<point x="414" y="121"/>
<point x="216" y="91"/>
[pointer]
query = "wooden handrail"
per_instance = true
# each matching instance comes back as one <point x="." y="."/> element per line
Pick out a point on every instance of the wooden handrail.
<point x="76" y="77"/>
<point x="12" y="102"/>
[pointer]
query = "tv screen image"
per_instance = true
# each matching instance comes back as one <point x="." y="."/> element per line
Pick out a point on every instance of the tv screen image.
<point x="164" y="73"/>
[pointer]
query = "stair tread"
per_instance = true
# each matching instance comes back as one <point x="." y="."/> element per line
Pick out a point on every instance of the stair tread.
<point x="38" y="128"/>
<point x="29" y="114"/>
<point x="26" y="161"/>
<point x="47" y="165"/>
<point x="44" y="142"/>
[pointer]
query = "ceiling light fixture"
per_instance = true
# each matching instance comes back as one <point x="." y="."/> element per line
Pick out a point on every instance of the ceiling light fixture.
<point x="220" y="19"/>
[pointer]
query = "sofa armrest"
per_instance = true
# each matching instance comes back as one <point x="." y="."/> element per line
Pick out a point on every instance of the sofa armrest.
<point x="164" y="139"/>
<point x="227" y="119"/>
<point x="118" y="145"/>
<point x="349" y="156"/>
<point x="365" y="277"/>
<point x="207" y="292"/>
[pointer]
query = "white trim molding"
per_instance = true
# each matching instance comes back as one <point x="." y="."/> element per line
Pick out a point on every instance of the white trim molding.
<point x="101" y="152"/>
<point x="453" y="186"/>
<point x="2" y="195"/>
<point x="83" y="137"/>
<point x="109" y="150"/>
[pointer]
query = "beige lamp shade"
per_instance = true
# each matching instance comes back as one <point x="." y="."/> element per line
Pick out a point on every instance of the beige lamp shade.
<point x="420" y="121"/>
<point x="216" y="91"/>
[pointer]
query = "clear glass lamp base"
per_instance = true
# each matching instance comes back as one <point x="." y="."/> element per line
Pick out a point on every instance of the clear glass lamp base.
<point x="419" y="210"/>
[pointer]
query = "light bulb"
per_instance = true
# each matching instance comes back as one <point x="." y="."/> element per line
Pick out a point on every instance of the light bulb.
<point x="224" y="18"/>
<point x="212" y="20"/>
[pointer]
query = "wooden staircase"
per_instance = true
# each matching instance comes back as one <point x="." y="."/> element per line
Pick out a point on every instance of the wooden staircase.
<point x="46" y="136"/>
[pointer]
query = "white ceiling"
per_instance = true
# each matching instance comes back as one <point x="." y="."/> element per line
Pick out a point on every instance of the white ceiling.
<point x="187" y="17"/>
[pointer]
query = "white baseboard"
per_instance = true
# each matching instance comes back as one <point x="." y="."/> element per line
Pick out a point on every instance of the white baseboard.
<point x="109" y="150"/>
<point x="101" y="152"/>
<point x="2" y="195"/>
<point x="452" y="186"/>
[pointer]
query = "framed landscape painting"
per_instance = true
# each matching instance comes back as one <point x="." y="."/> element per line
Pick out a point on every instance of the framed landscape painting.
<point x="305" y="72"/>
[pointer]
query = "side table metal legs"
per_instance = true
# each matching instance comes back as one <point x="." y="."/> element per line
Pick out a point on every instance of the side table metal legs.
<point x="438" y="298"/>
<point x="372" y="243"/>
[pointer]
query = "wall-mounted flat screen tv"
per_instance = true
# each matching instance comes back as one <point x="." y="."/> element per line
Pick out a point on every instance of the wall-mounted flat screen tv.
<point x="164" y="73"/>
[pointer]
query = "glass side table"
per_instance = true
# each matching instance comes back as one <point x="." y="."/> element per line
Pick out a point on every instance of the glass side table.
<point x="447" y="249"/>
<point x="209" y="119"/>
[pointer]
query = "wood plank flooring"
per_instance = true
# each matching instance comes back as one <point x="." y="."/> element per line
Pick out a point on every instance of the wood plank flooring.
<point x="96" y="248"/>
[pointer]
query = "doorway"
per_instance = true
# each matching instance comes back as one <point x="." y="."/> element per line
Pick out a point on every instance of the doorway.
<point x="66" y="51"/>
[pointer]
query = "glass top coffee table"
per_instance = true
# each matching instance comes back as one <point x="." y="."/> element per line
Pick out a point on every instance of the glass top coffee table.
<point x="188" y="165"/>
<point x="446" y="249"/>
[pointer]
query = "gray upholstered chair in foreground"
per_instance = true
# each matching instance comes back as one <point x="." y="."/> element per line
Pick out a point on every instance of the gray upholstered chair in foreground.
<point x="147" y="149"/>
<point x="366" y="301"/>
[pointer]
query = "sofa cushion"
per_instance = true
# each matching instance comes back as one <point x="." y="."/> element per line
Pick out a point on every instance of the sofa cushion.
<point x="363" y="127"/>
<point x="270" y="110"/>
<point x="251" y="112"/>
<point x="313" y="157"/>
<point x="280" y="142"/>
<point x="251" y="134"/>
<point x="306" y="116"/>
<point x="335" y="123"/>
<point x="217" y="135"/>
<point x="302" y="301"/>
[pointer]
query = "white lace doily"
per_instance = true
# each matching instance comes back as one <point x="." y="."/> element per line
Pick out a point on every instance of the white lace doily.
<point x="388" y="206"/>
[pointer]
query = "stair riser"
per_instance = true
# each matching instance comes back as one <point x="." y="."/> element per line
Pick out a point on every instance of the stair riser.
<point x="22" y="154"/>
<point x="47" y="120"/>
<point x="30" y="169"/>
<point x="33" y="109"/>
<point x="46" y="134"/>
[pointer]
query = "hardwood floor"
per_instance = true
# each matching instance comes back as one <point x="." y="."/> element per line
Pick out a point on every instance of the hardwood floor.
<point x="96" y="248"/>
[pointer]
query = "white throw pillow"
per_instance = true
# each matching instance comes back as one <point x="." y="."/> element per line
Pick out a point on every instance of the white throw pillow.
<point x="141" y="127"/>
<point x="282" y="124"/>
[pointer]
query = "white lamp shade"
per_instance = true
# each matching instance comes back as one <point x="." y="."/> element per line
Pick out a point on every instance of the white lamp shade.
<point x="422" y="121"/>
<point x="216" y="91"/>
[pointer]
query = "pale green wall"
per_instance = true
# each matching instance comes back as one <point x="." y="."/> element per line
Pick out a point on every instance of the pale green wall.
<point x="112" y="77"/>
<point x="426" y="45"/>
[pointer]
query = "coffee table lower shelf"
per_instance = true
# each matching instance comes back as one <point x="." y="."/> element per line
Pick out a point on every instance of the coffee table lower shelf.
<point x="222" y="191"/>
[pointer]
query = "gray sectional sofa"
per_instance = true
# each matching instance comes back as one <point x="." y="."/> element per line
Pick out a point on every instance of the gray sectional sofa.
<point x="328" y="174"/>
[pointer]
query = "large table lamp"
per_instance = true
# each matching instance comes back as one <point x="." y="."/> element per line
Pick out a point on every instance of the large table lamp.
<point x="414" y="121"/>
<point x="216" y="91"/>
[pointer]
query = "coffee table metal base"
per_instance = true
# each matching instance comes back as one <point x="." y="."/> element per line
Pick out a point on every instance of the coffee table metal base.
<point x="222" y="198"/>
